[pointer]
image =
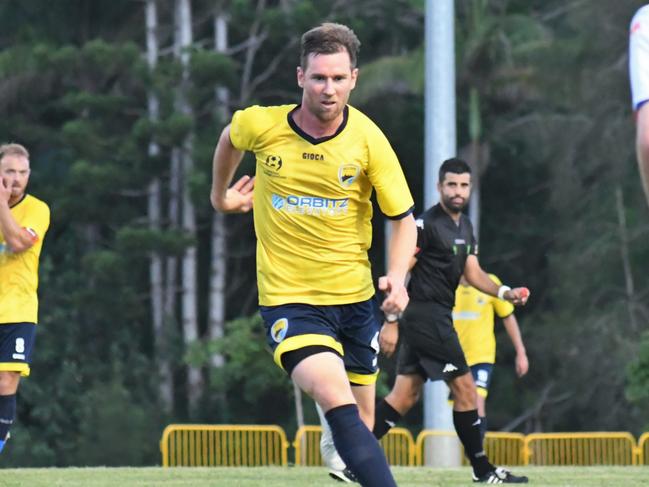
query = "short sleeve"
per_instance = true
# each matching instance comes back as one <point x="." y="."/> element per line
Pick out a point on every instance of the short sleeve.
<point x="474" y="244"/>
<point x="242" y="129"/>
<point x="387" y="178"/>
<point x="37" y="221"/>
<point x="502" y="307"/>
<point x="422" y="235"/>
<point x="639" y="57"/>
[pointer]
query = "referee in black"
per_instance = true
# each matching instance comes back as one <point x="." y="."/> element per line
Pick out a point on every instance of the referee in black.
<point x="429" y="347"/>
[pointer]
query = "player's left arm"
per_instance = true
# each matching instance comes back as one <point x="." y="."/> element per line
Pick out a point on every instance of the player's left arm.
<point x="479" y="279"/>
<point x="400" y="260"/>
<point x="400" y="254"/>
<point x="513" y="330"/>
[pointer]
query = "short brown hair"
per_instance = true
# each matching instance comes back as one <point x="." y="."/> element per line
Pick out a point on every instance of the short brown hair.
<point x="13" y="149"/>
<point x="329" y="38"/>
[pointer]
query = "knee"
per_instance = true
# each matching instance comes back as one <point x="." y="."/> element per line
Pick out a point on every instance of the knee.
<point x="330" y="397"/>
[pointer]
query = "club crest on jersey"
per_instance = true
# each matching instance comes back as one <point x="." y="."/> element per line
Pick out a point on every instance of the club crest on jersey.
<point x="279" y="329"/>
<point x="273" y="162"/>
<point x="347" y="174"/>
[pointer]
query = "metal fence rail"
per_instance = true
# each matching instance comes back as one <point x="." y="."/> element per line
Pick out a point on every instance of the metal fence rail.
<point x="194" y="445"/>
<point x="600" y="448"/>
<point x="241" y="445"/>
<point x="398" y="444"/>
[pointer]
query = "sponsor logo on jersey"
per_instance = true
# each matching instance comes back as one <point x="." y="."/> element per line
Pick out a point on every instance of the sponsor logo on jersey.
<point x="279" y="329"/>
<point x="310" y="205"/>
<point x="347" y="174"/>
<point x="310" y="156"/>
<point x="466" y="315"/>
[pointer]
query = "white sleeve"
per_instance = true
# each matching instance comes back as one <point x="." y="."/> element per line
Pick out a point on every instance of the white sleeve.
<point x="639" y="57"/>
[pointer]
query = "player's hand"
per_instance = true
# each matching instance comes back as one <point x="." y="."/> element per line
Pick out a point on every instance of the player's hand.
<point x="517" y="296"/>
<point x="522" y="364"/>
<point x="5" y="190"/>
<point x="396" y="298"/>
<point x="238" y="198"/>
<point x="388" y="338"/>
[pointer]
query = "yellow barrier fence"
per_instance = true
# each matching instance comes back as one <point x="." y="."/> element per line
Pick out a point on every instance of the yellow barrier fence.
<point x="501" y="448"/>
<point x="398" y="444"/>
<point x="643" y="449"/>
<point x="307" y="446"/>
<point x="241" y="445"/>
<point x="439" y="441"/>
<point x="505" y="448"/>
<point x="195" y="445"/>
<point x="600" y="448"/>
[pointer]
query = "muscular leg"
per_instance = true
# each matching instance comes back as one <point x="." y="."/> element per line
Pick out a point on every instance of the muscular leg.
<point x="402" y="397"/>
<point x="366" y="399"/>
<point x="8" y="386"/>
<point x="323" y="377"/>
<point x="467" y="422"/>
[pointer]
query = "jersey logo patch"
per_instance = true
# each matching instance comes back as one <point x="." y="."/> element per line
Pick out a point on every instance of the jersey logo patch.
<point x="279" y="329"/>
<point x="347" y="174"/>
<point x="273" y="162"/>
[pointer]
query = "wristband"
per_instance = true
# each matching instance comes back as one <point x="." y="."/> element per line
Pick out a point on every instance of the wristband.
<point x="502" y="290"/>
<point x="392" y="317"/>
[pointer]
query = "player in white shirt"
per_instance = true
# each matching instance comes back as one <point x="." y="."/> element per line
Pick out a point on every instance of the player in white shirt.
<point x="639" y="76"/>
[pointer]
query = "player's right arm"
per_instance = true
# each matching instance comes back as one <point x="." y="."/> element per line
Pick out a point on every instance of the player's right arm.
<point x="235" y="199"/>
<point x="17" y="238"/>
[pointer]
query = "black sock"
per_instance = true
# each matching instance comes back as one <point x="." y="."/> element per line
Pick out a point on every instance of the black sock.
<point x="7" y="414"/>
<point x="385" y="418"/>
<point x="358" y="448"/>
<point x="483" y="428"/>
<point x="467" y="426"/>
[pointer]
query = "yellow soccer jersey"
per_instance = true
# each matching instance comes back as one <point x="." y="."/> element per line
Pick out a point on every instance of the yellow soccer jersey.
<point x="19" y="272"/>
<point x="473" y="318"/>
<point x="312" y="208"/>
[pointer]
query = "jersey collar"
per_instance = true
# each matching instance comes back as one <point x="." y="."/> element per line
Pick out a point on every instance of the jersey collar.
<point x="314" y="140"/>
<point x="19" y="201"/>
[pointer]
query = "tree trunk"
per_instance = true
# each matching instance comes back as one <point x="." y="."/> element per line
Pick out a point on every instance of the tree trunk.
<point x="189" y="303"/>
<point x="216" y="317"/>
<point x="165" y="384"/>
<point x="626" y="260"/>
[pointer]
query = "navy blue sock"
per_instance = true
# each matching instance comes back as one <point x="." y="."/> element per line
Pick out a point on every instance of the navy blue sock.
<point x="7" y="415"/>
<point x="467" y="426"/>
<point x="358" y="448"/>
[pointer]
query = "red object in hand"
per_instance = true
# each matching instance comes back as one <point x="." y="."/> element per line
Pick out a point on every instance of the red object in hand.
<point x="524" y="292"/>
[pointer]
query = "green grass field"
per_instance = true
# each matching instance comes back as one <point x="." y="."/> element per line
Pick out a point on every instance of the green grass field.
<point x="304" y="477"/>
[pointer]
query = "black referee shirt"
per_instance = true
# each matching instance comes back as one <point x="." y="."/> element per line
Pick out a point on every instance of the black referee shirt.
<point x="442" y="249"/>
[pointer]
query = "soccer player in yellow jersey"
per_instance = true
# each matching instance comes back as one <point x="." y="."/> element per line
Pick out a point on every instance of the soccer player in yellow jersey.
<point x="23" y="223"/>
<point x="317" y="164"/>
<point x="473" y="319"/>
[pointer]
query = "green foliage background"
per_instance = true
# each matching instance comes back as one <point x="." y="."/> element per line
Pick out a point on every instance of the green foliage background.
<point x="551" y="107"/>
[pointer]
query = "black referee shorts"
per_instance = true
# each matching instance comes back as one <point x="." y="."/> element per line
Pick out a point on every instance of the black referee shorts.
<point x="429" y="345"/>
